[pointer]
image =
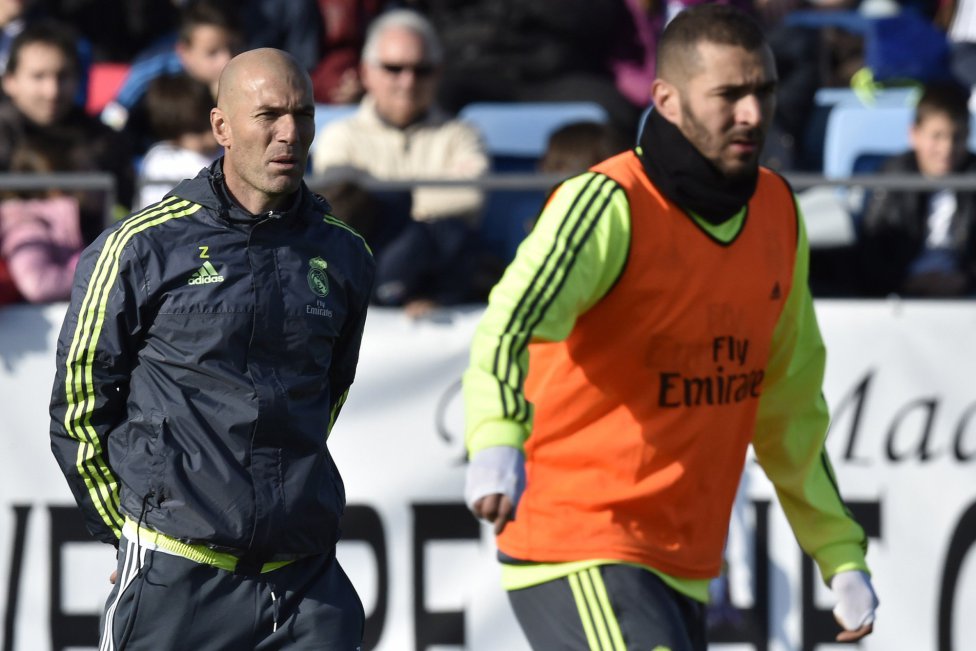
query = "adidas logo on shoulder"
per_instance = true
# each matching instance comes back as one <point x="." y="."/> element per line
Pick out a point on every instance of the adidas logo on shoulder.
<point x="205" y="275"/>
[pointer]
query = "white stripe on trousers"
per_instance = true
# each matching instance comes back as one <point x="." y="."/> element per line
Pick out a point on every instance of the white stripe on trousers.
<point x="134" y="559"/>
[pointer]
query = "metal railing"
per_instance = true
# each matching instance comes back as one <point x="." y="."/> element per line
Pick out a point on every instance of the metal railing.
<point x="533" y="181"/>
<point x="68" y="181"/>
<point x="104" y="182"/>
<point x="907" y="182"/>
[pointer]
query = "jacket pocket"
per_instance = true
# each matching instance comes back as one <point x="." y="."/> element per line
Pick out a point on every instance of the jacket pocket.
<point x="133" y="458"/>
<point x="158" y="461"/>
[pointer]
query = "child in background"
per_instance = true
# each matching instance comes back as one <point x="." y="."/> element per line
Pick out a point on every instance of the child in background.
<point x="916" y="243"/>
<point x="40" y="233"/>
<point x="209" y="35"/>
<point x="573" y="148"/>
<point x="570" y="150"/>
<point x="179" y="113"/>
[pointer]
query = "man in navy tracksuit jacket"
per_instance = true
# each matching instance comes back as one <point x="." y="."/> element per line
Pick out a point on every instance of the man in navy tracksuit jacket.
<point x="209" y="345"/>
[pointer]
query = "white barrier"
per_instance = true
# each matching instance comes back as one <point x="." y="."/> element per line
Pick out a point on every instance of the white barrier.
<point x="903" y="444"/>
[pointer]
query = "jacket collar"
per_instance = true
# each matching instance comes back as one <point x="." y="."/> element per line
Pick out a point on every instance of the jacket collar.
<point x="209" y="189"/>
<point x="686" y="177"/>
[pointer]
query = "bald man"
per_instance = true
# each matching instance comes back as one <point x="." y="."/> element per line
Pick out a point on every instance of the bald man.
<point x="210" y="343"/>
<point x="655" y="323"/>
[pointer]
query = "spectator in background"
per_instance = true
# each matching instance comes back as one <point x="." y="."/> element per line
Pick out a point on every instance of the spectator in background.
<point x="632" y="58"/>
<point x="958" y="18"/>
<point x="575" y="147"/>
<point x="533" y="51"/>
<point x="570" y="150"/>
<point x="40" y="82"/>
<point x="293" y="25"/>
<point x="335" y="79"/>
<point x="399" y="133"/>
<point x="209" y="35"/>
<point x="808" y="57"/>
<point x="924" y="243"/>
<point x="14" y="15"/>
<point x="117" y="29"/>
<point x="179" y="114"/>
<point x="40" y="234"/>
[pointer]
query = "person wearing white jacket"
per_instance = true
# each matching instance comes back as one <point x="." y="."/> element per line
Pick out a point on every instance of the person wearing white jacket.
<point x="399" y="132"/>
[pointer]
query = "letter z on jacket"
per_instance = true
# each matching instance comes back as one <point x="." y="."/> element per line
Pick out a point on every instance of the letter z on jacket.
<point x="203" y="360"/>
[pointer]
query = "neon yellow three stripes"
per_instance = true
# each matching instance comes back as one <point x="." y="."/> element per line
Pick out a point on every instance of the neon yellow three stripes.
<point x="574" y="230"/>
<point x="79" y="376"/>
<point x="596" y="614"/>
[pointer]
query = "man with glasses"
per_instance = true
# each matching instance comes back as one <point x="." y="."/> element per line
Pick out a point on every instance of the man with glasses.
<point x="399" y="133"/>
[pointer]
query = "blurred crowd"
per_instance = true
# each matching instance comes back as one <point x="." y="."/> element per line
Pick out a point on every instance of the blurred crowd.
<point x="409" y="68"/>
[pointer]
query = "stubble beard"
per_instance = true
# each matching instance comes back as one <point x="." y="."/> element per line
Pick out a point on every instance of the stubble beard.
<point x="712" y="148"/>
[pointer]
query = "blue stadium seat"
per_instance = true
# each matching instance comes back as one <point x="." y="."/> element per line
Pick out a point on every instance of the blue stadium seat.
<point x="854" y="132"/>
<point x="325" y="113"/>
<point x="516" y="134"/>
<point x="847" y="96"/>
<point x="858" y="138"/>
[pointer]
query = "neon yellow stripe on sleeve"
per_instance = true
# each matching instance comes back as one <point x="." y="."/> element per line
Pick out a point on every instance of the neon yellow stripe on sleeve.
<point x="571" y="259"/>
<point x="79" y="377"/>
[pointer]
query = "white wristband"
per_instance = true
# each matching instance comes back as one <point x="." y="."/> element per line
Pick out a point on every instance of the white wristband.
<point x="499" y="469"/>
<point x="856" y="600"/>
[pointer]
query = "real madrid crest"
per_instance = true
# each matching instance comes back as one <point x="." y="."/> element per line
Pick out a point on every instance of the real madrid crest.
<point x="318" y="280"/>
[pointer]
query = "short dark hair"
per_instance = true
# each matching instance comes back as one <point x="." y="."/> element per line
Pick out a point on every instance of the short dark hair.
<point x="207" y="12"/>
<point x="945" y="98"/>
<point x="712" y="23"/>
<point x="178" y="105"/>
<point x="37" y="153"/>
<point x="575" y="147"/>
<point x="47" y="32"/>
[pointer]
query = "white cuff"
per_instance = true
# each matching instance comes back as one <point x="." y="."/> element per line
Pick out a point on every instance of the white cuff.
<point x="498" y="469"/>
<point x="856" y="600"/>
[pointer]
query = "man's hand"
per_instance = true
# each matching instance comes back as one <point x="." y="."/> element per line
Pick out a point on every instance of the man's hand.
<point x="856" y="602"/>
<point x="494" y="483"/>
<point x="113" y="576"/>
<point x="496" y="509"/>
